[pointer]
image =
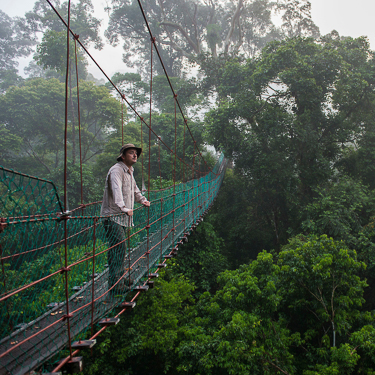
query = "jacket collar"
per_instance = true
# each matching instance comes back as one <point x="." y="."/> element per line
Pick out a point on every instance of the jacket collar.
<point x="125" y="167"/>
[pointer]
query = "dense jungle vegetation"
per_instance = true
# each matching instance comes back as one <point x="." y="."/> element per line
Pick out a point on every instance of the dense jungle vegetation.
<point x="279" y="278"/>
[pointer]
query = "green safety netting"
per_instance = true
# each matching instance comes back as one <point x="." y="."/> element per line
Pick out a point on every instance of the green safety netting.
<point x="40" y="246"/>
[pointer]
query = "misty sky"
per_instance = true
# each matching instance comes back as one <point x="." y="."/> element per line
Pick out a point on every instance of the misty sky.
<point x="349" y="17"/>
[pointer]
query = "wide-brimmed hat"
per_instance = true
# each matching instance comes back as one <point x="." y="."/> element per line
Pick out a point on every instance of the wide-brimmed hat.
<point x="125" y="147"/>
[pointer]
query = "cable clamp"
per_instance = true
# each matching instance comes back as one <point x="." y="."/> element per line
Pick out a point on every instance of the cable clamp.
<point x="3" y="223"/>
<point x="65" y="269"/>
<point x="76" y="36"/>
<point x="64" y="215"/>
<point x="67" y="316"/>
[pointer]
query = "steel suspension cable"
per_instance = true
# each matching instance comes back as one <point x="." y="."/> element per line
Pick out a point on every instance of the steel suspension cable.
<point x="122" y="120"/>
<point x="166" y="74"/>
<point x="174" y="166"/>
<point x="65" y="180"/>
<point x="107" y="77"/>
<point x="64" y="217"/>
<point x="149" y="160"/>
<point x="79" y="116"/>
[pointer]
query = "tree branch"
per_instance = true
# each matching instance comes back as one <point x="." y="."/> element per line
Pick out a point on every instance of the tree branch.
<point x="278" y="368"/>
<point x="236" y="16"/>
<point x="177" y="48"/>
<point x="36" y="156"/>
<point x="183" y="32"/>
<point x="240" y="37"/>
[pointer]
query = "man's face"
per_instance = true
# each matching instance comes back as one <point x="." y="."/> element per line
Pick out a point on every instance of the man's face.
<point x="130" y="157"/>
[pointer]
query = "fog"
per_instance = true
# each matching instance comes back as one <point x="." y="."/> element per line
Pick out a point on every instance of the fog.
<point x="348" y="17"/>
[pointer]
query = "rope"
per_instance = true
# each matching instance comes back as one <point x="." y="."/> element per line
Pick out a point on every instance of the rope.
<point x="79" y="116"/>
<point x="118" y="90"/>
<point x="65" y="183"/>
<point x="166" y="74"/>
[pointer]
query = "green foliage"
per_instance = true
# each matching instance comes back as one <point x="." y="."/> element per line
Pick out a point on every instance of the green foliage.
<point x="287" y="121"/>
<point x="202" y="259"/>
<point x="144" y="342"/>
<point x="51" y="54"/>
<point x="24" y="306"/>
<point x="13" y="43"/>
<point x="298" y="312"/>
<point x="232" y="216"/>
<point x="9" y="78"/>
<point x="161" y="159"/>
<point x="186" y="90"/>
<point x="34" y="112"/>
<point x="340" y="210"/>
<point x="100" y="118"/>
<point x="136" y="91"/>
<point x="297" y="122"/>
<point x="320" y="277"/>
<point x="33" y="130"/>
<point x="186" y="29"/>
<point x="8" y="141"/>
<point x="91" y="189"/>
<point x="43" y="18"/>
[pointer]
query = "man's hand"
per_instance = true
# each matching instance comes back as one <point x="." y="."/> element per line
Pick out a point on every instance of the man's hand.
<point x="130" y="213"/>
<point x="146" y="203"/>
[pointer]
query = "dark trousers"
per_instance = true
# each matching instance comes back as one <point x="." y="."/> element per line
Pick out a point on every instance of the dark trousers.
<point x="116" y="236"/>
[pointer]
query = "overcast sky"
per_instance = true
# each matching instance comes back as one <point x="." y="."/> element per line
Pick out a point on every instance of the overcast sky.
<point x="349" y="17"/>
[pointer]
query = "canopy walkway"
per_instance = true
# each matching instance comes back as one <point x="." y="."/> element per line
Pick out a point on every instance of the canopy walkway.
<point x="54" y="276"/>
<point x="55" y="297"/>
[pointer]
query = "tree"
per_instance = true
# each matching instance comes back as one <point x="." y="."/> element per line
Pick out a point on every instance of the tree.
<point x="100" y="117"/>
<point x="136" y="91"/>
<point x="187" y="29"/>
<point x="92" y="188"/>
<point x="187" y="92"/>
<point x="289" y="120"/>
<point x="340" y="210"/>
<point x="35" y="113"/>
<point x="51" y="54"/>
<point x="320" y="277"/>
<point x="8" y="143"/>
<point x="82" y="23"/>
<point x="149" y="350"/>
<point x="201" y="260"/>
<point x="238" y="221"/>
<point x="13" y="44"/>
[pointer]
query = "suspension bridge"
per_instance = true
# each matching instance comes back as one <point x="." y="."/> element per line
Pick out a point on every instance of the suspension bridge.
<point x="54" y="294"/>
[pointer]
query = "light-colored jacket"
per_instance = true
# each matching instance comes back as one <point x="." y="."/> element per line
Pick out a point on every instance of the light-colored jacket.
<point x="120" y="192"/>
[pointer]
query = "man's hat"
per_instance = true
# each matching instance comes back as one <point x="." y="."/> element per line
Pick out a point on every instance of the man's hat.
<point x="127" y="146"/>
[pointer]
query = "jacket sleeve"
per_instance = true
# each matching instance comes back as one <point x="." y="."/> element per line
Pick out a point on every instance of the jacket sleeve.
<point x="138" y="197"/>
<point x="116" y="187"/>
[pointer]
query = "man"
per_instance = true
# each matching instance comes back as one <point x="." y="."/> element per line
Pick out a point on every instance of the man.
<point x="120" y="192"/>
